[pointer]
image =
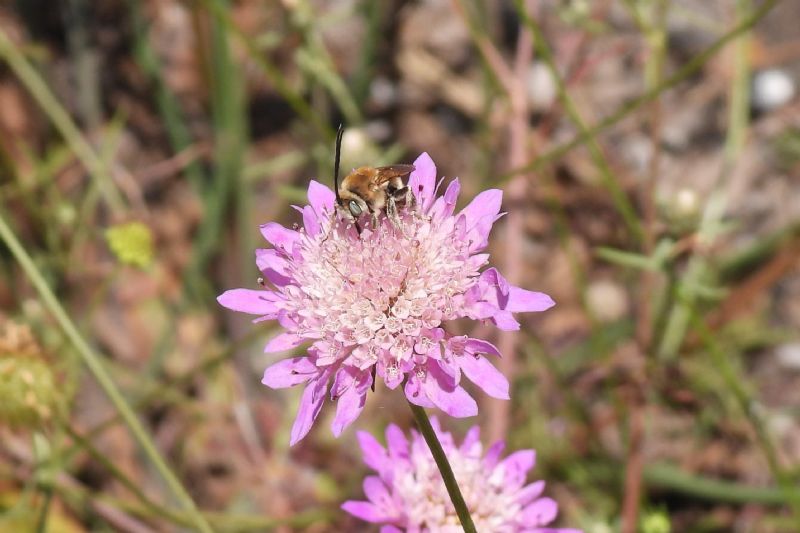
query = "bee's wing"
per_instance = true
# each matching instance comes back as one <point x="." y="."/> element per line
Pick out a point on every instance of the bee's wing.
<point x="384" y="174"/>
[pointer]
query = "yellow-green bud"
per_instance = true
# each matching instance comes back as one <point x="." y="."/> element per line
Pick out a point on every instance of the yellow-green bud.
<point x="131" y="243"/>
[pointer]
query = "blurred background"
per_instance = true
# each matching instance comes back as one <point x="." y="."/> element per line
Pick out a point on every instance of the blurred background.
<point x="649" y="151"/>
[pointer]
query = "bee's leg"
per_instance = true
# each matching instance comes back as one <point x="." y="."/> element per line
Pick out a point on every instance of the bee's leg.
<point x="374" y="371"/>
<point x="391" y="212"/>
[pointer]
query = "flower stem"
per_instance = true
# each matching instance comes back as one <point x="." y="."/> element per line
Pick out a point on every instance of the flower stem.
<point x="95" y="365"/>
<point x="435" y="446"/>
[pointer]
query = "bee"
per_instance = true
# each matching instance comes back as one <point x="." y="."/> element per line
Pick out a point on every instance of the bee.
<point x="372" y="190"/>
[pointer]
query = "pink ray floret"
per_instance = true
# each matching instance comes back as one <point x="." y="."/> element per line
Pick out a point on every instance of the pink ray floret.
<point x="408" y="493"/>
<point x="381" y="300"/>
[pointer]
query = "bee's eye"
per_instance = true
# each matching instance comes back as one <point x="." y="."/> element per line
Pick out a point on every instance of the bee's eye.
<point x="355" y="209"/>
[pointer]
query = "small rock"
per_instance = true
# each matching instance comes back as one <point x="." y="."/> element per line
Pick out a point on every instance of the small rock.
<point x="771" y="89"/>
<point x="788" y="355"/>
<point x="607" y="300"/>
<point x="541" y="87"/>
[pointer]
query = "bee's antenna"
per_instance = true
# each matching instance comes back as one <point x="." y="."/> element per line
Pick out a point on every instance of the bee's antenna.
<point x="339" y="134"/>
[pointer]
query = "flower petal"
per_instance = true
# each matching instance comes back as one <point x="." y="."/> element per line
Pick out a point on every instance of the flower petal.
<point x="483" y="374"/>
<point x="522" y="300"/>
<point x="530" y="492"/>
<point x="310" y="406"/>
<point x="480" y="346"/>
<point x="310" y="221"/>
<point x="423" y="181"/>
<point x="321" y="198"/>
<point x="367" y="511"/>
<point x="540" y="513"/>
<point x="376" y="492"/>
<point x="517" y="465"/>
<point x="274" y="266"/>
<point x="486" y="204"/>
<point x="396" y="442"/>
<point x="414" y="393"/>
<point x="375" y="455"/>
<point x="351" y="402"/>
<point x="249" y="301"/>
<point x="492" y="456"/>
<point x="282" y="342"/>
<point x="471" y="445"/>
<point x="505" y="321"/>
<point x="495" y="286"/>
<point x="289" y="372"/>
<point x="455" y="402"/>
<point x="281" y="238"/>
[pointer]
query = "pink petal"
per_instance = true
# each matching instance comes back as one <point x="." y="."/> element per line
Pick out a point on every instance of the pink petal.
<point x="478" y="234"/>
<point x="390" y="529"/>
<point x="282" y="342"/>
<point x="366" y="511"/>
<point x="375" y="455"/>
<point x="522" y="300"/>
<point x="310" y="222"/>
<point x="280" y="237"/>
<point x="396" y="442"/>
<point x="472" y="438"/>
<point x="483" y="374"/>
<point x="486" y="204"/>
<point x="423" y="181"/>
<point x="310" y="406"/>
<point x="517" y="465"/>
<point x="350" y="402"/>
<point x="505" y="321"/>
<point x="480" y="346"/>
<point x="496" y="287"/>
<point x="289" y="372"/>
<point x="540" y="513"/>
<point x="320" y="197"/>
<point x="376" y="492"/>
<point x="444" y="206"/>
<point x="274" y="267"/>
<point x="348" y="407"/>
<point x="477" y="260"/>
<point x="455" y="402"/>
<point x="493" y="454"/>
<point x="530" y="492"/>
<point x="414" y="393"/>
<point x="249" y="301"/>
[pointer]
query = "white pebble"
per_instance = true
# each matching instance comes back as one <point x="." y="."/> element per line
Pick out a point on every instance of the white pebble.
<point x="788" y="355"/>
<point x="772" y="88"/>
<point x="541" y="86"/>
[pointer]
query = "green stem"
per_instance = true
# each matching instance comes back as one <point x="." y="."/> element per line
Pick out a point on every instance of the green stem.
<point x="667" y="477"/>
<point x="435" y="446"/>
<point x="92" y="360"/>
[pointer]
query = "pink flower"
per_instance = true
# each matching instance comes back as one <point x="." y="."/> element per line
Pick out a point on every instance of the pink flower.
<point x="408" y="493"/>
<point x="379" y="302"/>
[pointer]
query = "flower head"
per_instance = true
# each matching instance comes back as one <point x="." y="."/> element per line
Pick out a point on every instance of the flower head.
<point x="378" y="302"/>
<point x="408" y="493"/>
